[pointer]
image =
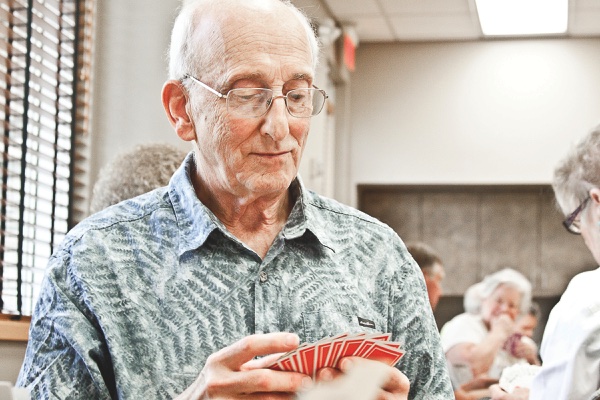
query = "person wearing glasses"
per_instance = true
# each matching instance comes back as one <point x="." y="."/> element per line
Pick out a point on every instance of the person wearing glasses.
<point x="193" y="290"/>
<point x="570" y="348"/>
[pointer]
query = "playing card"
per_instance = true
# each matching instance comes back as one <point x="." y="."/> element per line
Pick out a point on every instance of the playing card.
<point x="370" y="340"/>
<point x="322" y="349"/>
<point x="308" y="358"/>
<point x="334" y="351"/>
<point x="286" y="364"/>
<point x="380" y="351"/>
<point x="348" y="347"/>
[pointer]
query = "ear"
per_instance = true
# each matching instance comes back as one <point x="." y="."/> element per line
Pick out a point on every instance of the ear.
<point x="595" y="195"/>
<point x="174" y="99"/>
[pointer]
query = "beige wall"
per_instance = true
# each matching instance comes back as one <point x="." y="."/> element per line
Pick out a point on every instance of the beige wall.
<point x="474" y="112"/>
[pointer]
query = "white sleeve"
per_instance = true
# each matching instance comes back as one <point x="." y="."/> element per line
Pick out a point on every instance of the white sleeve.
<point x="464" y="328"/>
<point x="570" y="348"/>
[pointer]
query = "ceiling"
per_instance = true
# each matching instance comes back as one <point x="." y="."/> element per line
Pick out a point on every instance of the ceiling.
<point x="430" y="20"/>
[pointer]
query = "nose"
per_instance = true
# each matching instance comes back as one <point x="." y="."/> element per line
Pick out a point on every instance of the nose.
<point x="276" y="123"/>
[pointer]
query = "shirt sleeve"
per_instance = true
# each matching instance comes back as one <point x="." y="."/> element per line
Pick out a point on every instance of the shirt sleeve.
<point x="464" y="328"/>
<point x="412" y="321"/>
<point x="65" y="356"/>
<point x="571" y="347"/>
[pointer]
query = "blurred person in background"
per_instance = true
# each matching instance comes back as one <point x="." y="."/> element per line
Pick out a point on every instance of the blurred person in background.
<point x="483" y="344"/>
<point x="146" y="167"/>
<point x="570" y="347"/>
<point x="432" y="268"/>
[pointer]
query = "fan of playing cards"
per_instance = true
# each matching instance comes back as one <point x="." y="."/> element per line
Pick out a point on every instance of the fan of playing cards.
<point x="308" y="358"/>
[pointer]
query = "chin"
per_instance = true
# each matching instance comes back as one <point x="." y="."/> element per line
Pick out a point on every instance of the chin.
<point x="270" y="184"/>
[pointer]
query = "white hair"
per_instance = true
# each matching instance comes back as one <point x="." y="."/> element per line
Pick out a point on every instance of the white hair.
<point x="578" y="172"/>
<point x="509" y="277"/>
<point x="472" y="299"/>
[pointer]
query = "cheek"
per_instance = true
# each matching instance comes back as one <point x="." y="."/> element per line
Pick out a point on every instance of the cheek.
<point x="299" y="130"/>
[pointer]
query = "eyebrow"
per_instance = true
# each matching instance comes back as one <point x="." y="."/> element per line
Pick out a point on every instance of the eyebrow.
<point x="260" y="76"/>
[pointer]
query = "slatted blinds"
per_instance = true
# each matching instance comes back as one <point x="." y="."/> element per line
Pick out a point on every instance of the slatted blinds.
<point x="44" y="62"/>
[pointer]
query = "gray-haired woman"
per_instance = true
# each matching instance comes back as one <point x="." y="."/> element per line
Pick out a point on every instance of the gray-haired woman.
<point x="483" y="344"/>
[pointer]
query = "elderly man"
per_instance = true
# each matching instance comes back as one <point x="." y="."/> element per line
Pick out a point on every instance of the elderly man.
<point x="192" y="290"/>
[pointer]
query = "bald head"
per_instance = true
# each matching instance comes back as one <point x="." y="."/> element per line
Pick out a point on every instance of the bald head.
<point x="204" y="29"/>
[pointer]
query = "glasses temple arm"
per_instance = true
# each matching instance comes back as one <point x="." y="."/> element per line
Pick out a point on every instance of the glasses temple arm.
<point x="205" y="86"/>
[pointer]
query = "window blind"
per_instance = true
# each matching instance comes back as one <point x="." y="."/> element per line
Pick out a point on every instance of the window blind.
<point x="45" y="55"/>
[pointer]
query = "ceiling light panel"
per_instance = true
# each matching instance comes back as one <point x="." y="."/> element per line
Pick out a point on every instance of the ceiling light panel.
<point x="522" y="17"/>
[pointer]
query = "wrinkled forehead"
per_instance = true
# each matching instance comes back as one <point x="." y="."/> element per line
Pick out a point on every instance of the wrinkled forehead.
<point x="252" y="33"/>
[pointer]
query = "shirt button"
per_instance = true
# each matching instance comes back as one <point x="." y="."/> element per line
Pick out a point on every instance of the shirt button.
<point x="263" y="276"/>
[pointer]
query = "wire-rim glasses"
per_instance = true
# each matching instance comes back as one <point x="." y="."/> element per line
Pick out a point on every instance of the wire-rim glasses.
<point x="571" y="223"/>
<point x="256" y="102"/>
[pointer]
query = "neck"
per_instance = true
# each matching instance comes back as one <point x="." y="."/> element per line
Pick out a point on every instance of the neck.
<point x="254" y="219"/>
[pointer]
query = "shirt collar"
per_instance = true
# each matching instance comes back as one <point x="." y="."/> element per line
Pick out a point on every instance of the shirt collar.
<point x="306" y="215"/>
<point x="196" y="222"/>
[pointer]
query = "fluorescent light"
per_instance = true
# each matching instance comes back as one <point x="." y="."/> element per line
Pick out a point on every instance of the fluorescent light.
<point x="522" y="17"/>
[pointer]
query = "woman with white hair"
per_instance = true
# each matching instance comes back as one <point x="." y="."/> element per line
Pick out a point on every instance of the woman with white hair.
<point x="483" y="344"/>
<point x="571" y="343"/>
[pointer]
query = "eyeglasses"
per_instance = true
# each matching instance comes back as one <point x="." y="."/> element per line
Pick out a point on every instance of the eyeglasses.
<point x="255" y="102"/>
<point x="572" y="224"/>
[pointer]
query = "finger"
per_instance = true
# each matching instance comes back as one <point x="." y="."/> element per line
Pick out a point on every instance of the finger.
<point x="328" y="374"/>
<point x="262" y="362"/>
<point x="265" y="380"/>
<point x="247" y="348"/>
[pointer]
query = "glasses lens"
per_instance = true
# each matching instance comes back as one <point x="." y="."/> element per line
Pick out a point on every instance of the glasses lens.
<point x="248" y="102"/>
<point x="254" y="102"/>
<point x="304" y="103"/>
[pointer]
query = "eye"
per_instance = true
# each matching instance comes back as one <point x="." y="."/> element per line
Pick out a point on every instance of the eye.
<point x="298" y="95"/>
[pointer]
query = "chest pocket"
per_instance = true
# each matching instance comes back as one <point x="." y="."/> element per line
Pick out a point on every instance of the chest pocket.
<point x="322" y="323"/>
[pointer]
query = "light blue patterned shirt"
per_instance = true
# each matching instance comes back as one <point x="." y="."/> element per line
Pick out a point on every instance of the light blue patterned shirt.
<point x="139" y="295"/>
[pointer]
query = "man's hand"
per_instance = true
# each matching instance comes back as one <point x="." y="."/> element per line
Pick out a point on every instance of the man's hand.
<point x="231" y="372"/>
<point x="395" y="384"/>
<point x="517" y="394"/>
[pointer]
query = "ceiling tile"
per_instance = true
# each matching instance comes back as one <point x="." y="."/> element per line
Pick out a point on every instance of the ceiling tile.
<point x="312" y="8"/>
<point x="579" y="5"/>
<point x="345" y="8"/>
<point x="585" y="23"/>
<point x="435" y="27"/>
<point x="373" y="29"/>
<point x="425" y="6"/>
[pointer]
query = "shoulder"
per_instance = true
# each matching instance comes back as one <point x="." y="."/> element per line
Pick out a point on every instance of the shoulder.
<point x="578" y="296"/>
<point x="461" y="322"/>
<point x="336" y="212"/>
<point x="585" y="280"/>
<point x="127" y="215"/>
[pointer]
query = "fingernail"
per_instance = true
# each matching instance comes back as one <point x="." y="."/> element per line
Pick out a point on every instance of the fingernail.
<point x="346" y="364"/>
<point x="326" y="375"/>
<point x="292" y="340"/>
<point x="306" y="383"/>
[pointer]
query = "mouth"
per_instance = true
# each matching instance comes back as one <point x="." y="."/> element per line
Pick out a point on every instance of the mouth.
<point x="272" y="155"/>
